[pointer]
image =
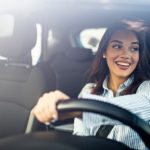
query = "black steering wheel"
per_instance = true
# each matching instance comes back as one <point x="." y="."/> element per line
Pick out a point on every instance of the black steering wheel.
<point x="60" y="140"/>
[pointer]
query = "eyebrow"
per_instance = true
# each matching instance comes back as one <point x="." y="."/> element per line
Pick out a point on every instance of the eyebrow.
<point x="136" y="43"/>
<point x="117" y="41"/>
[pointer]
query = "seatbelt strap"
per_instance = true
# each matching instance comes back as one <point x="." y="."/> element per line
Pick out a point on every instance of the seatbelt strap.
<point x="104" y="130"/>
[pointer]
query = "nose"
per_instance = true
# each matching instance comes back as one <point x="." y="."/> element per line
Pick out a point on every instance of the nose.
<point x="125" y="54"/>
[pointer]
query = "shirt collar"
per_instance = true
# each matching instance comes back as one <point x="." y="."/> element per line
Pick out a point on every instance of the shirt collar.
<point x="127" y="83"/>
<point x="123" y="86"/>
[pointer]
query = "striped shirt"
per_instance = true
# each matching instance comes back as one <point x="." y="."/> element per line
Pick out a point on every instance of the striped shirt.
<point x="138" y="103"/>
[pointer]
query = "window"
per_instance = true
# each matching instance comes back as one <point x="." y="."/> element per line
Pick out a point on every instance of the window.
<point x="36" y="51"/>
<point x="90" y="38"/>
<point x="6" y="25"/>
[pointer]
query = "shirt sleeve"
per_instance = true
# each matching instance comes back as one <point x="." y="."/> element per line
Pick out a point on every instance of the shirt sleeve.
<point x="138" y="103"/>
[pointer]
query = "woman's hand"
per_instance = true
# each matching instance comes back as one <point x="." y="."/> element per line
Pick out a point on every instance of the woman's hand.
<point x="45" y="109"/>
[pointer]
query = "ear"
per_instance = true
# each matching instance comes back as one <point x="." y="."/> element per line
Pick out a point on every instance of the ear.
<point x="104" y="56"/>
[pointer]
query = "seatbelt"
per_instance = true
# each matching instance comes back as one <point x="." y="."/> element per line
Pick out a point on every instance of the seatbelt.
<point x="104" y="130"/>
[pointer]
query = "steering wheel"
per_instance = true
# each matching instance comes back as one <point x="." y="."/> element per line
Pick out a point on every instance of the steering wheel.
<point x="60" y="140"/>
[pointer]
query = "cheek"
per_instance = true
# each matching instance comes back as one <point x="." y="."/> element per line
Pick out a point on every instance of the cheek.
<point x="136" y="58"/>
<point x="110" y="58"/>
<point x="110" y="62"/>
<point x="110" y="55"/>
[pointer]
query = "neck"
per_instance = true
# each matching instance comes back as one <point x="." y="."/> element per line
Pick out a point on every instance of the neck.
<point x="114" y="83"/>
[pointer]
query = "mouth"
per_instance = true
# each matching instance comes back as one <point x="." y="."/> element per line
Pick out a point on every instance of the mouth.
<point x="123" y="65"/>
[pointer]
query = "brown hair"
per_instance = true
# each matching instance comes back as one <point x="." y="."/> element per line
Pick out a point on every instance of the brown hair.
<point x="100" y="69"/>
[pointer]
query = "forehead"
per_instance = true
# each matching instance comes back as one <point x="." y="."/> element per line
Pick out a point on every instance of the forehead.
<point x="122" y="35"/>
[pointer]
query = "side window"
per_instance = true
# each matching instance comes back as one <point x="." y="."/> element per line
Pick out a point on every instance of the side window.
<point x="7" y="29"/>
<point x="90" y="38"/>
<point x="7" y="22"/>
<point x="50" y="40"/>
<point x="36" y="51"/>
<point x="6" y="25"/>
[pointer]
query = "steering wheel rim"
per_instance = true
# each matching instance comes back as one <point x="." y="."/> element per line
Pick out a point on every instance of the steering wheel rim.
<point x="109" y="110"/>
<point x="57" y="139"/>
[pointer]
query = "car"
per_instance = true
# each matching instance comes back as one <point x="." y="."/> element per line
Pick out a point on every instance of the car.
<point x="47" y="45"/>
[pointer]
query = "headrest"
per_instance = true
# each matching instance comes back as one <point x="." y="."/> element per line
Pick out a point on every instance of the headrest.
<point x="19" y="43"/>
<point x="80" y="54"/>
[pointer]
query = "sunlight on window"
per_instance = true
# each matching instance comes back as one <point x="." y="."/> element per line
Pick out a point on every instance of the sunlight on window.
<point x="51" y="40"/>
<point x="7" y="22"/>
<point x="36" y="51"/>
<point x="90" y="38"/>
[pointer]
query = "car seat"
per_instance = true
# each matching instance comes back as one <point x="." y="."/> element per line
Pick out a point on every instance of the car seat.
<point x="71" y="68"/>
<point x="21" y="84"/>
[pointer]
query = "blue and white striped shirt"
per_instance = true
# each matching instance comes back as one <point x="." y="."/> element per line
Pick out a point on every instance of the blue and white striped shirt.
<point x="138" y="104"/>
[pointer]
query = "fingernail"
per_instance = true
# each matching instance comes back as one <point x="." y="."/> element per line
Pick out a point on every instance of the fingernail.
<point x="55" y="117"/>
<point x="47" y="123"/>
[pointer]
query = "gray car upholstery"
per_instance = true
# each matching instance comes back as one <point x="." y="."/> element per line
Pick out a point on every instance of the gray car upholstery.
<point x="21" y="84"/>
<point x="71" y="68"/>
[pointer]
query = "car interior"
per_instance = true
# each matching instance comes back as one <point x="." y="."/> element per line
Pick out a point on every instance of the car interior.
<point x="18" y="78"/>
<point x="49" y="45"/>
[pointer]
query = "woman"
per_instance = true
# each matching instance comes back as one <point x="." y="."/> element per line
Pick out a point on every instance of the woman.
<point x="119" y="78"/>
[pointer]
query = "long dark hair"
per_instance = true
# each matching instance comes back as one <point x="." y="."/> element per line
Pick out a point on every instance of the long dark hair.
<point x="100" y="69"/>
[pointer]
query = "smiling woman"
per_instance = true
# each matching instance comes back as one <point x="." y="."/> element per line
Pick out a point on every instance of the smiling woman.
<point x="122" y="56"/>
<point x="115" y="72"/>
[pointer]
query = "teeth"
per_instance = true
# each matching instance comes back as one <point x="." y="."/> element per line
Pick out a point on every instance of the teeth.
<point x="123" y="64"/>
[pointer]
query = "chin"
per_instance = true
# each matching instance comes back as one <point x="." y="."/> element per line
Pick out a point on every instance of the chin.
<point x="125" y="75"/>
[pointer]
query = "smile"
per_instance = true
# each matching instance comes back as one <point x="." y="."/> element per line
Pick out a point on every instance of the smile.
<point x="126" y="64"/>
<point x="123" y="65"/>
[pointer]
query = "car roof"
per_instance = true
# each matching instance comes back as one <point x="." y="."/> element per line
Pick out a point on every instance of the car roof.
<point x="77" y="13"/>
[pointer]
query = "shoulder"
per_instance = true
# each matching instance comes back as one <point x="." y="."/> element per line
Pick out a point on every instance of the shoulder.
<point x="144" y="86"/>
<point x="87" y="89"/>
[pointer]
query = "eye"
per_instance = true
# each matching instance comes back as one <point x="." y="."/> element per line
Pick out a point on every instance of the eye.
<point x="116" y="46"/>
<point x="134" y="49"/>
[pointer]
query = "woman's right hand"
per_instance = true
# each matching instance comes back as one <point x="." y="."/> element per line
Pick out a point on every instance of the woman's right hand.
<point x="45" y="109"/>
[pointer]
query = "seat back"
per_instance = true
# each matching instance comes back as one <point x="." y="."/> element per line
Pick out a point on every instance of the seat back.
<point x="21" y="84"/>
<point x="71" y="68"/>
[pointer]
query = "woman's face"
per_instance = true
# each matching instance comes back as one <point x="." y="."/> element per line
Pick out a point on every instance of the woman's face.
<point x="122" y="54"/>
